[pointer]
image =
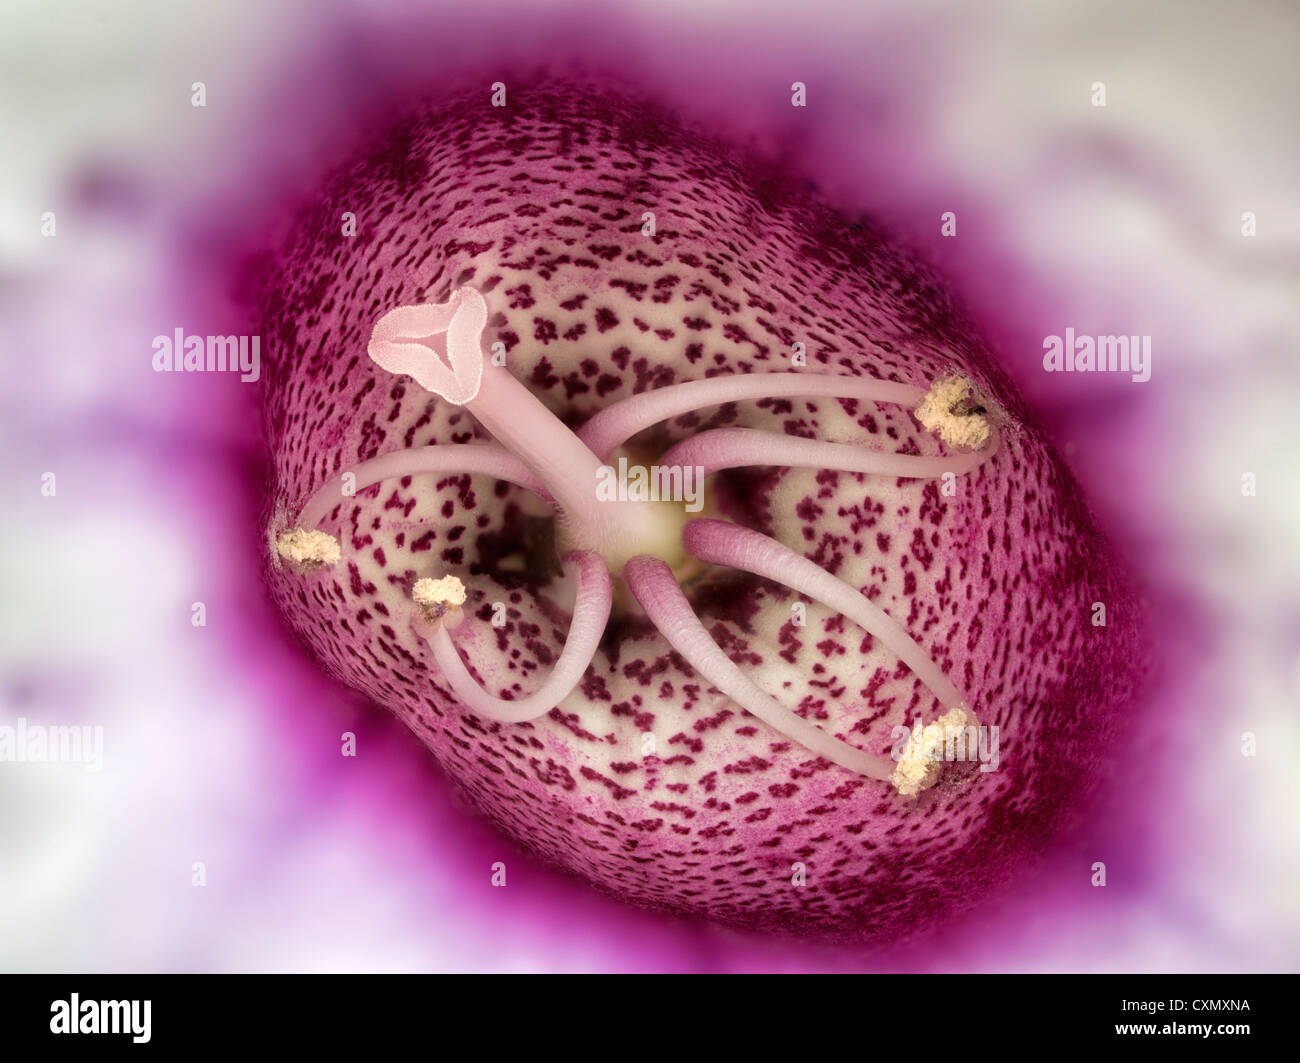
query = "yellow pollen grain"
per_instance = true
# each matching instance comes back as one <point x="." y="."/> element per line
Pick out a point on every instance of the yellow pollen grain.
<point x="308" y="547"/>
<point x="922" y="760"/>
<point x="431" y="593"/>
<point x="940" y="413"/>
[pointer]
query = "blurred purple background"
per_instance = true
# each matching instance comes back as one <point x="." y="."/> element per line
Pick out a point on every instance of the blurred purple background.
<point x="221" y="743"/>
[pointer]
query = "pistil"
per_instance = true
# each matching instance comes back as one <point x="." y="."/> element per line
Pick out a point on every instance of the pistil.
<point x="440" y="346"/>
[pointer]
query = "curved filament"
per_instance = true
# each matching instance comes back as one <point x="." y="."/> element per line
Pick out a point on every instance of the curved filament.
<point x="590" y="614"/>
<point x="730" y="448"/>
<point x="450" y="458"/>
<point x="617" y="423"/>
<point x="720" y="542"/>
<point x="654" y="586"/>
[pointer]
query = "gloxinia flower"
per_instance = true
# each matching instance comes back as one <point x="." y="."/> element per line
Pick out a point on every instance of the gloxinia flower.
<point x="854" y="694"/>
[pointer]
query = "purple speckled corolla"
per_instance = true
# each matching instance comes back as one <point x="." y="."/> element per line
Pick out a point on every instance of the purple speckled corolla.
<point x="736" y="766"/>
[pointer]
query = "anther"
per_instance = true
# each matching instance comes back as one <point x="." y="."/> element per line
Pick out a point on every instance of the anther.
<point x="951" y="410"/>
<point x="311" y="549"/>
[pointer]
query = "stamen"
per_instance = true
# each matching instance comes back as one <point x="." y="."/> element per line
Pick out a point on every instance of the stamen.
<point x="655" y="587"/>
<point x="730" y="448"/>
<point x="613" y="426"/>
<point x="590" y="614"/>
<point x="452" y="458"/>
<point x="720" y="542"/>
<point x="439" y="346"/>
<point x="435" y="596"/>
<point x="308" y="548"/>
<point x="922" y="761"/>
<point x="947" y="410"/>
